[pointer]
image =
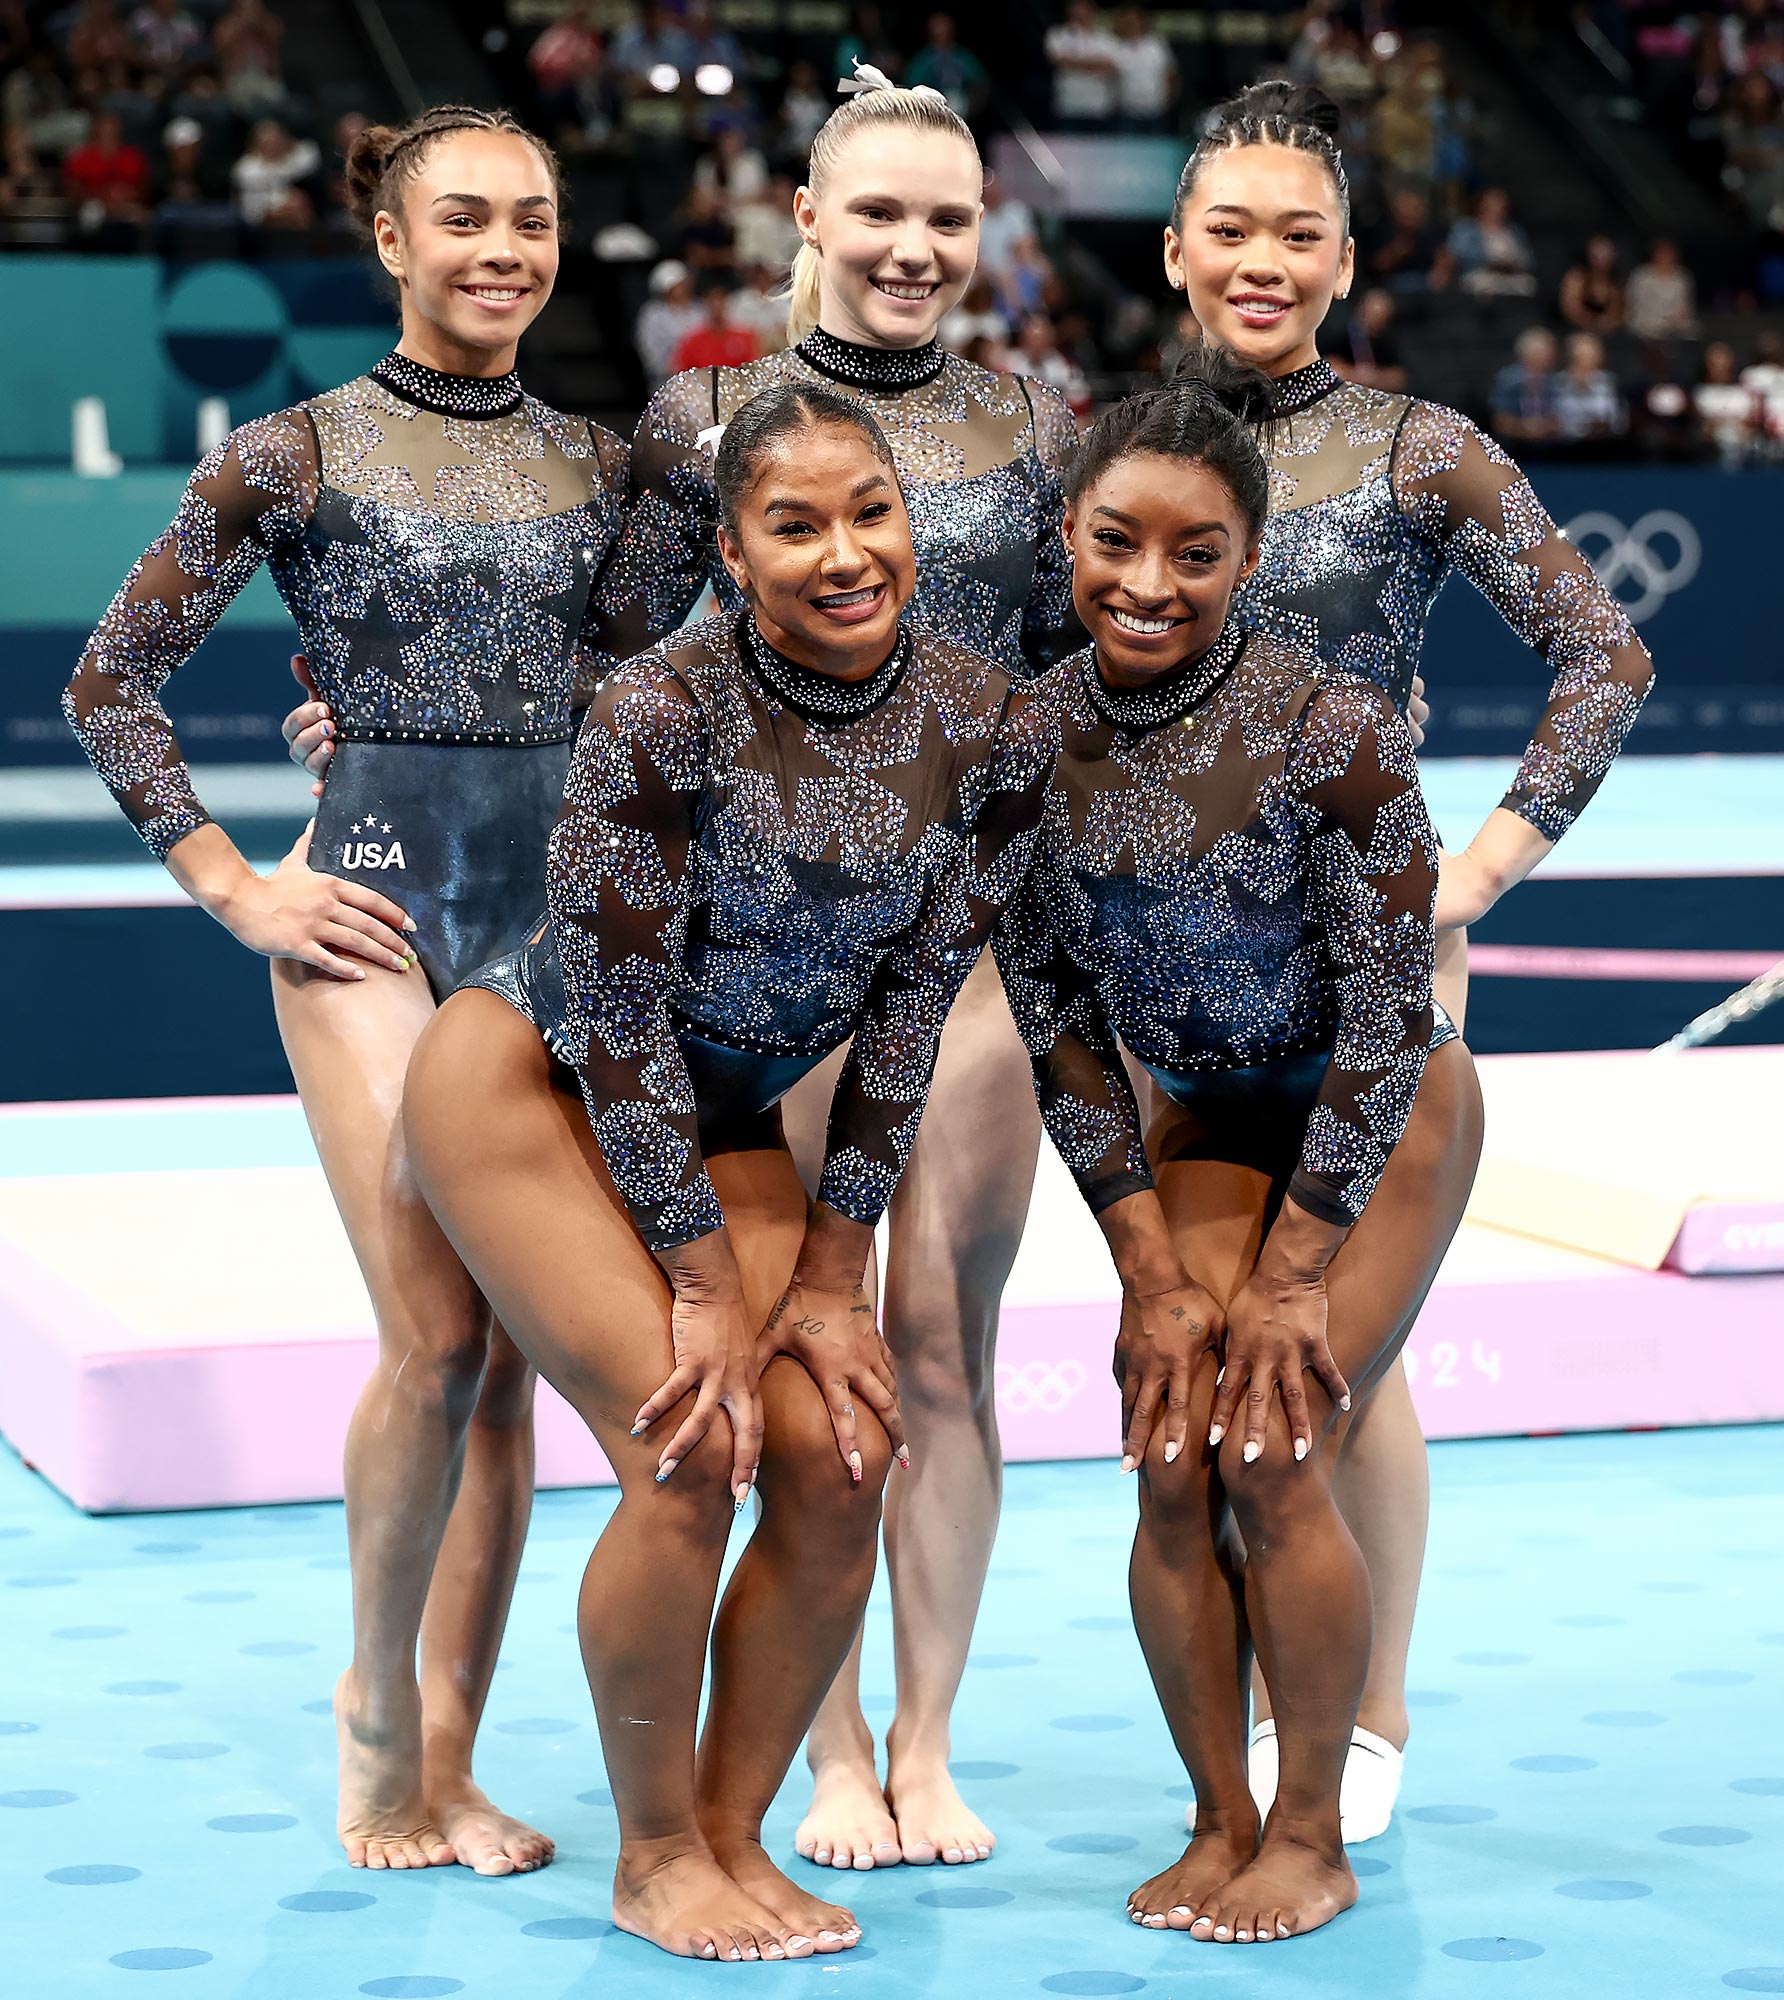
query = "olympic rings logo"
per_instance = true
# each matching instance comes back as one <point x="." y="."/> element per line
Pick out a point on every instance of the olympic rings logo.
<point x="1039" y="1385"/>
<point x="1634" y="563"/>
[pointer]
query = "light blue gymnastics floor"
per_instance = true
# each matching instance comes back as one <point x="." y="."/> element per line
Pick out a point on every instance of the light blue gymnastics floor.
<point x="1595" y="1802"/>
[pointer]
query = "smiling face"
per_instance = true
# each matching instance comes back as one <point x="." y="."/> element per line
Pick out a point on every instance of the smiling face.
<point x="1260" y="250"/>
<point x="1159" y="545"/>
<point x="896" y="228"/>
<point x="821" y="548"/>
<point x="474" y="250"/>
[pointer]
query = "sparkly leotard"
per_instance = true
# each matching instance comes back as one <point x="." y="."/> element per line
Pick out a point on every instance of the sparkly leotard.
<point x="1235" y="875"/>
<point x="435" y="537"/>
<point x="980" y="457"/>
<point x="1375" y="500"/>
<point x="755" y="862"/>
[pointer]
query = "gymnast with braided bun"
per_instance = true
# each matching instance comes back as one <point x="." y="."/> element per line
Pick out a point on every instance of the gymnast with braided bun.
<point x="1376" y="500"/>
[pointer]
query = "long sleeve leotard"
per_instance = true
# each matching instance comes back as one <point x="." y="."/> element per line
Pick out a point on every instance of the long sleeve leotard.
<point x="754" y="863"/>
<point x="1234" y="866"/>
<point x="980" y="457"/>
<point x="435" y="537"/>
<point x="1376" y="498"/>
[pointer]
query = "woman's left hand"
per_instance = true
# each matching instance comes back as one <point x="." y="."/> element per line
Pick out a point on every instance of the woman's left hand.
<point x="1466" y="891"/>
<point x="834" y="1335"/>
<point x="1275" y="1334"/>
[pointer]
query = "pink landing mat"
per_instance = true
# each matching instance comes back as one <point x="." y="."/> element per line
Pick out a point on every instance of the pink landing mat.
<point x="177" y="1354"/>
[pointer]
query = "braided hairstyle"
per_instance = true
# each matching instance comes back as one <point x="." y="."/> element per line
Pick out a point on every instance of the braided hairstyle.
<point x="385" y="158"/>
<point x="779" y="412"/>
<point x="1276" y="113"/>
<point x="1210" y="413"/>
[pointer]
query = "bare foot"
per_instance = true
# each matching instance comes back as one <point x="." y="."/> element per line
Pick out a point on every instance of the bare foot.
<point x="828" y="1925"/>
<point x="932" y="1818"/>
<point x="483" y="1838"/>
<point x="687" y="1904"/>
<point x="1288" y="1890"/>
<point x="1172" y="1900"/>
<point x="848" y="1825"/>
<point x="384" y="1821"/>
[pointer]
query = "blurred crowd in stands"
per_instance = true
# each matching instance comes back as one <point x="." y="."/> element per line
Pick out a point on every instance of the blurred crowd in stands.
<point x="168" y="125"/>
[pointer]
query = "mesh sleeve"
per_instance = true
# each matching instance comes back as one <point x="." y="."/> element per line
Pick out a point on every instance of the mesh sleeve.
<point x="616" y="875"/>
<point x="613" y="458"/>
<point x="1373" y="887"/>
<point x="664" y="556"/>
<point x="257" y="488"/>
<point x="1050" y="628"/>
<point x="1457" y="486"/>
<point x="986" y="851"/>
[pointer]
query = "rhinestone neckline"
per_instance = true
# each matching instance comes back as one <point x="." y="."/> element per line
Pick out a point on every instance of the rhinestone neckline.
<point x="448" y="395"/>
<point x="888" y="368"/>
<point x="1172" y="695"/>
<point x="1306" y="385"/>
<point x="822" y="697"/>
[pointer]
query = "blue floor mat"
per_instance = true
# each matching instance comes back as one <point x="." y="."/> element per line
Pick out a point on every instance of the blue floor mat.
<point x="1594" y="1801"/>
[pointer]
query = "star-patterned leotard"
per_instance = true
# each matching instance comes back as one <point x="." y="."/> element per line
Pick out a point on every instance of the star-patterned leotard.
<point x="435" y="538"/>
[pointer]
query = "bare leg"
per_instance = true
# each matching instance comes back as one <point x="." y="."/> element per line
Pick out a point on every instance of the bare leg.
<point x="467" y="1611"/>
<point x="1306" y="1586"/>
<point x="956" y="1225"/>
<point x="514" y="1174"/>
<point x="790" y="1613"/>
<point x="349" y="1048"/>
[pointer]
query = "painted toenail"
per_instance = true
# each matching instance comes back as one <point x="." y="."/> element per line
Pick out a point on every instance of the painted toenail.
<point x="798" y="1940"/>
<point x="1220" y="1930"/>
<point x="1244" y="1937"/>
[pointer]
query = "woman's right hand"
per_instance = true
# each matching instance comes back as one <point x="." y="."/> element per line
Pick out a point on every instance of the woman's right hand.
<point x="309" y="729"/>
<point x="299" y="912"/>
<point x="715" y="1356"/>
<point x="1162" y="1339"/>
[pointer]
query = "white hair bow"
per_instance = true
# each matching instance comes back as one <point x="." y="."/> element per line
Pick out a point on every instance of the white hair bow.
<point x="868" y="78"/>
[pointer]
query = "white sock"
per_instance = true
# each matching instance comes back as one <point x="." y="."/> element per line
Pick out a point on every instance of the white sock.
<point x="1366" y="1798"/>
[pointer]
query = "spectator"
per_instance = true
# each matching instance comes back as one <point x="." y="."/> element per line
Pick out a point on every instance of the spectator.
<point x="1591" y="296"/>
<point x="1026" y="284"/>
<point x="1726" y="407"/>
<point x="975" y="318"/>
<point x="165" y="35"/>
<point x="30" y="194"/>
<point x="867" y="41"/>
<point x="1666" y="416"/>
<point x="1037" y="353"/>
<point x="107" y="177"/>
<point x="1764" y="375"/>
<point x="803" y="109"/>
<point x="267" y="177"/>
<point x="347" y="129"/>
<point x="185" y="178"/>
<point x="715" y="59"/>
<point x="247" y="42"/>
<point x="666" y="318"/>
<point x="1004" y="226"/>
<point x="708" y="238"/>
<point x="733" y="169"/>
<point x="1588" y="403"/>
<point x="1524" y="392"/>
<point x="716" y="341"/>
<point x="764" y="230"/>
<point x="647" y="51"/>
<point x="1493" y="257"/>
<point x="1753" y="140"/>
<point x="1407" y="254"/>
<point x="1145" y="72"/>
<point x="1402" y="127"/>
<point x="566" y="60"/>
<point x="1081" y="55"/>
<point x="944" y="65"/>
<point x="1661" y="300"/>
<point x="1368" y="351"/>
<point x="96" y="38"/>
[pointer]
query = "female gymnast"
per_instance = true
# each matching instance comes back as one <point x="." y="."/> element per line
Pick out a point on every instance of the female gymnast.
<point x="1235" y="877"/>
<point x="785" y="827"/>
<point x="435" y="532"/>
<point x="1376" y="500"/>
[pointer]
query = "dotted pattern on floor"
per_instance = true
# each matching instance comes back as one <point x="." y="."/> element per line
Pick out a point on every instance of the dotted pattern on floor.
<point x="1594" y="1800"/>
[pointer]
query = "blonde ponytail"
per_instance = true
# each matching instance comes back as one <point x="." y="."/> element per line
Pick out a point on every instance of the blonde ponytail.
<point x="876" y="101"/>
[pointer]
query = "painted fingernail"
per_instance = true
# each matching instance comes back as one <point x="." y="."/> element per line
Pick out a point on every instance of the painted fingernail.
<point x="904" y="1457"/>
<point x="409" y="924"/>
<point x="1216" y="1432"/>
<point x="1128" y="1461"/>
<point x="1171" y="1451"/>
<point x="855" y="1467"/>
<point x="1220" y="1378"/>
<point x="664" y="1471"/>
<point x="1300" y="1448"/>
<point x="1344" y="1402"/>
<point x="1252" y="1450"/>
<point x="639" y="1428"/>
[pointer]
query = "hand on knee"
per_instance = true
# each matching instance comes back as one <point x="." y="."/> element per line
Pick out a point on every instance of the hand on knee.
<point x="1274" y="1487"/>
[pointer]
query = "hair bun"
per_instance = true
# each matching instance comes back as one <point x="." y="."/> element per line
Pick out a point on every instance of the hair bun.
<point x="367" y="159"/>
<point x="1277" y="97"/>
<point x="1241" y="390"/>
